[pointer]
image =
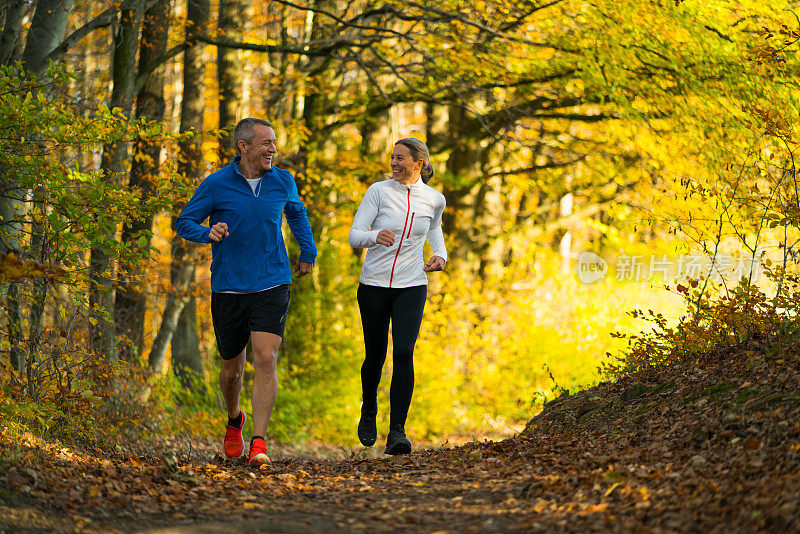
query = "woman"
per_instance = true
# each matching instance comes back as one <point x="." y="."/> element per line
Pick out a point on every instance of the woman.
<point x="393" y="221"/>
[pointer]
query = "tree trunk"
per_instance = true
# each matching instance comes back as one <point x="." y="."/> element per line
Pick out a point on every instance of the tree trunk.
<point x="317" y="106"/>
<point x="185" y="339"/>
<point x="39" y="250"/>
<point x="172" y="312"/>
<point x="186" y="358"/>
<point x="459" y="222"/>
<point x="375" y="139"/>
<point x="565" y="245"/>
<point x="185" y="354"/>
<point x="12" y="202"/>
<point x="14" y="317"/>
<point x="50" y="23"/>
<point x="229" y="74"/>
<point x="13" y="12"/>
<point x="115" y="159"/>
<point x="46" y="32"/>
<point x="299" y="100"/>
<point x="131" y="299"/>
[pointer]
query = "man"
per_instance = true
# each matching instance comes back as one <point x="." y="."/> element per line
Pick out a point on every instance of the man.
<point x="250" y="270"/>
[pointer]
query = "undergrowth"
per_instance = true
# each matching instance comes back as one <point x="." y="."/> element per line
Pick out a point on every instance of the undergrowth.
<point x="740" y="319"/>
<point x="89" y="402"/>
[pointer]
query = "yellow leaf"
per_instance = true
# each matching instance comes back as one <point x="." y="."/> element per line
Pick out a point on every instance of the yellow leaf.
<point x="612" y="488"/>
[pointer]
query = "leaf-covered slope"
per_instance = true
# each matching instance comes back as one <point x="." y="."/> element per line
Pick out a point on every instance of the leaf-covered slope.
<point x="678" y="448"/>
<point x="712" y="442"/>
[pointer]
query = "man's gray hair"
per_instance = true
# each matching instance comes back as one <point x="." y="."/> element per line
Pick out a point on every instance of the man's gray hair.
<point x="244" y="131"/>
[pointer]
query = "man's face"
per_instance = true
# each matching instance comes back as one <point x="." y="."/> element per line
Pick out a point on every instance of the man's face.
<point x="260" y="151"/>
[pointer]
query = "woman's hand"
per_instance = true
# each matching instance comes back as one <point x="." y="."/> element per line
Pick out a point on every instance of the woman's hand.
<point x="385" y="237"/>
<point x="434" y="264"/>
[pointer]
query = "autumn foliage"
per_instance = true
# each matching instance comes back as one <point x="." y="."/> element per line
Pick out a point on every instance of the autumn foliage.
<point x="617" y="128"/>
<point x="629" y="130"/>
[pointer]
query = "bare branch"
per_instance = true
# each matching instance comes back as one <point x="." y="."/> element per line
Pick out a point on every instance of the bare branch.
<point x="318" y="48"/>
<point x="146" y="70"/>
<point x="549" y="165"/>
<point x="385" y="10"/>
<point x="531" y="11"/>
<point x="103" y="20"/>
<point x="722" y="35"/>
<point x="580" y="117"/>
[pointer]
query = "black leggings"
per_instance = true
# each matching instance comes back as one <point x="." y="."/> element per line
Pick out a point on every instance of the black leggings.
<point x="404" y="308"/>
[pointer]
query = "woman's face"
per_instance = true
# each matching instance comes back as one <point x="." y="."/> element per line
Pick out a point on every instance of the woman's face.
<point x="404" y="169"/>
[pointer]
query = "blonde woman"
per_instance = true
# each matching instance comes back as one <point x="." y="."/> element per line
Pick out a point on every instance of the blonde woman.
<point x="394" y="219"/>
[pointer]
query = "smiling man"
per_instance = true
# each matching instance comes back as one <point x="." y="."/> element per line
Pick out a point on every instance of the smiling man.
<point x="250" y="271"/>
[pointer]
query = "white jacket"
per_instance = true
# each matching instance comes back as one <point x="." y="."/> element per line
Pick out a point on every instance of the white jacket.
<point x="414" y="213"/>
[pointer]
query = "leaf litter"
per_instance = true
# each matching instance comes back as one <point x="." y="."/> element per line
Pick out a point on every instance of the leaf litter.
<point x="671" y="449"/>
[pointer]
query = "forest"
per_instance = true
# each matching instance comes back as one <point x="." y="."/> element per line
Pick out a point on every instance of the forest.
<point x="620" y="182"/>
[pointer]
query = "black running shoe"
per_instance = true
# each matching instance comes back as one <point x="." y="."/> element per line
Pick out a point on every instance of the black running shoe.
<point x="367" y="431"/>
<point x="397" y="443"/>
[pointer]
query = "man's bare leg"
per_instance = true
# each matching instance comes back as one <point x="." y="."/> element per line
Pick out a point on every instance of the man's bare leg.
<point x="265" y="382"/>
<point x="230" y="382"/>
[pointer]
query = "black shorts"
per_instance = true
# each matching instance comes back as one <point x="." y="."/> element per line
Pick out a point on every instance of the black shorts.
<point x="235" y="315"/>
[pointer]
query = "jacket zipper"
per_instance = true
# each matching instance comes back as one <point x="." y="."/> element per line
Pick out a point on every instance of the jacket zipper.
<point x="391" y="276"/>
<point x="408" y="235"/>
<point x="258" y="185"/>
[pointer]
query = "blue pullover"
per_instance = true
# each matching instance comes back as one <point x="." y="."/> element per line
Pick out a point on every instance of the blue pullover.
<point x="253" y="257"/>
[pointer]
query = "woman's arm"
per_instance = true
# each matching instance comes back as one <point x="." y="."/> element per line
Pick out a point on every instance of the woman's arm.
<point x="361" y="233"/>
<point x="435" y="236"/>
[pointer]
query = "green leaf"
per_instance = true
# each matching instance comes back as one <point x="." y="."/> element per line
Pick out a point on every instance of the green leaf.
<point x="614" y="476"/>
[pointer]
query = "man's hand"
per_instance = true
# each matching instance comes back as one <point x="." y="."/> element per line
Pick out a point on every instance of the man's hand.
<point x="218" y="232"/>
<point x="385" y="237"/>
<point x="302" y="268"/>
<point x="434" y="264"/>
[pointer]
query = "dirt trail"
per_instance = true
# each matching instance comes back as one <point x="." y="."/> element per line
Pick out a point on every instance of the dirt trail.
<point x="673" y="450"/>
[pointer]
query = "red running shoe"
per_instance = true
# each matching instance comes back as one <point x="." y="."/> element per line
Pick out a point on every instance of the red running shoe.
<point x="258" y="452"/>
<point x="234" y="443"/>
